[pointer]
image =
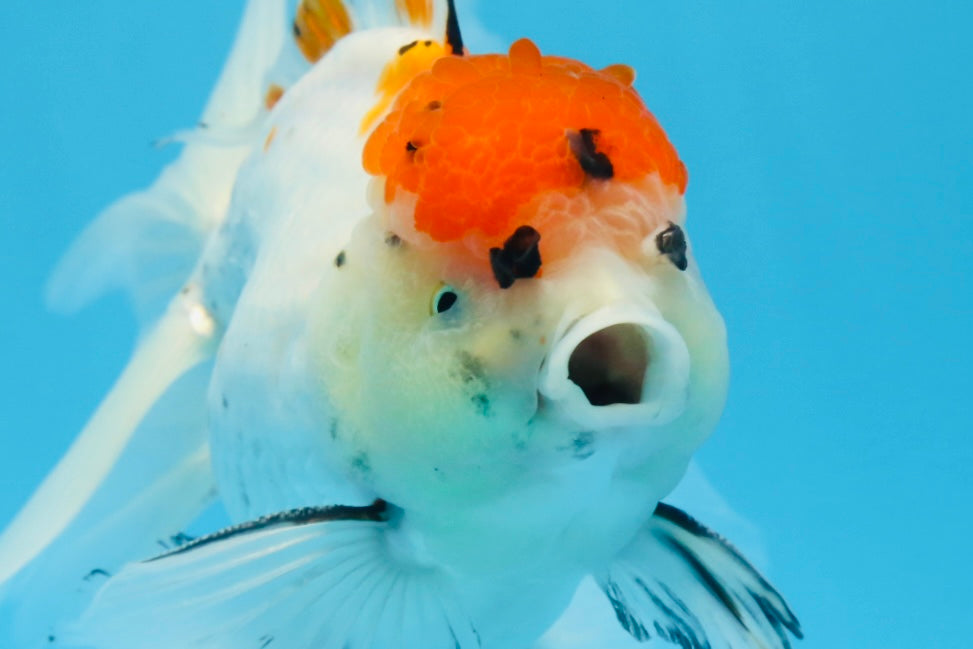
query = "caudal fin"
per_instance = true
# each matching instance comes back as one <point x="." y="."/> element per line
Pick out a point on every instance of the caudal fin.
<point x="139" y="471"/>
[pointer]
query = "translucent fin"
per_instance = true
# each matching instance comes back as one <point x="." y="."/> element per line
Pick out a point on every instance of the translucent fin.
<point x="680" y="581"/>
<point x="423" y="14"/>
<point x="316" y="578"/>
<point x="166" y="353"/>
<point x="147" y="243"/>
<point x="161" y="482"/>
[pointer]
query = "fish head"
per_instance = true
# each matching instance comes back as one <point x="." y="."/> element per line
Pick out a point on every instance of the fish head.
<point x="524" y="294"/>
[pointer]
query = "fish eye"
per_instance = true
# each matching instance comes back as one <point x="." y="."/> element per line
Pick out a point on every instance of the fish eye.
<point x="444" y="299"/>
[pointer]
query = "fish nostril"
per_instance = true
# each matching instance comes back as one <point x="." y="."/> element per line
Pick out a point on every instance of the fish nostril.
<point x="610" y="365"/>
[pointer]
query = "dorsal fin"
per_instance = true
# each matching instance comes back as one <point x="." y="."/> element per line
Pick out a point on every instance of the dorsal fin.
<point x="454" y="39"/>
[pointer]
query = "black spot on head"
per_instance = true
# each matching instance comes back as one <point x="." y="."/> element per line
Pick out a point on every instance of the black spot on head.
<point x="408" y="46"/>
<point x="520" y="257"/>
<point x="411" y="146"/>
<point x="671" y="242"/>
<point x="339" y="261"/>
<point x="427" y="43"/>
<point x="393" y="240"/>
<point x="593" y="162"/>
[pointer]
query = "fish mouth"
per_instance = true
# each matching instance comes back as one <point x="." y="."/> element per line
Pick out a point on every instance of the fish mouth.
<point x="610" y="365"/>
<point x="621" y="365"/>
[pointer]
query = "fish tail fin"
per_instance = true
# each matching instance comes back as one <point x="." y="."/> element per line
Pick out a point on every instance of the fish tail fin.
<point x="147" y="243"/>
<point x="138" y="471"/>
<point x="319" y="24"/>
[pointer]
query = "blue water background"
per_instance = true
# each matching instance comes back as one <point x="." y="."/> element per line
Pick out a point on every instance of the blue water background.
<point x="830" y="149"/>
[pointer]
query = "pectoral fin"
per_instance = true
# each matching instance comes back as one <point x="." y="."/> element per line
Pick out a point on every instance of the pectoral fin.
<point x="684" y="583"/>
<point x="309" y="578"/>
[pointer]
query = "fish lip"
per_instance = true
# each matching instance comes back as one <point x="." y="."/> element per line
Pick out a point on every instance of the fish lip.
<point x="664" y="386"/>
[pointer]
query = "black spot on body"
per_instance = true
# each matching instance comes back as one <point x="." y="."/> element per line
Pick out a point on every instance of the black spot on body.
<point x="411" y="146"/>
<point x="593" y="162"/>
<point x="393" y="240"/>
<point x="265" y="641"/>
<point x="516" y="334"/>
<point x="225" y="402"/>
<point x="361" y="464"/>
<point x="583" y="445"/>
<point x="471" y="367"/>
<point x="520" y="257"/>
<point x="435" y="104"/>
<point x="408" y="46"/>
<point x="51" y="638"/>
<point x="334" y="428"/>
<point x="671" y="242"/>
<point x="296" y="29"/>
<point x="427" y="43"/>
<point x="482" y="403"/>
<point x="339" y="261"/>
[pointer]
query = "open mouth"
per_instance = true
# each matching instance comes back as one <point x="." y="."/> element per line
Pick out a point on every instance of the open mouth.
<point x="620" y="365"/>
<point x="610" y="365"/>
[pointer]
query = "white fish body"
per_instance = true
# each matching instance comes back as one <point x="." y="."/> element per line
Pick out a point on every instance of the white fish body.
<point x="425" y="478"/>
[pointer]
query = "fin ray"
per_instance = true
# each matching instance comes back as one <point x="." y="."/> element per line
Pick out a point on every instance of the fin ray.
<point x="329" y="568"/>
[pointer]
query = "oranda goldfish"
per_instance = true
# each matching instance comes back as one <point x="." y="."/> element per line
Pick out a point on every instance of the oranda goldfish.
<point x="429" y="325"/>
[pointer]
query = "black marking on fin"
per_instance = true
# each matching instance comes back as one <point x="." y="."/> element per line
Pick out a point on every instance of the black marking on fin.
<point x="678" y="630"/>
<point x="453" y="36"/>
<point x="713" y="585"/>
<point x="624" y="616"/>
<point x="97" y="572"/>
<point x="683" y="520"/>
<point x="593" y="162"/>
<point x="375" y="513"/>
<point x="520" y="257"/>
<point x="408" y="46"/>
<point x="265" y="641"/>
<point x="181" y="538"/>
<point x="671" y="242"/>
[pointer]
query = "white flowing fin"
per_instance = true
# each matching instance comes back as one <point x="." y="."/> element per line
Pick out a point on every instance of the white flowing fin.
<point x="682" y="582"/>
<point x="314" y="578"/>
<point x="423" y="14"/>
<point x="148" y="242"/>
<point x="161" y="482"/>
<point x="182" y="339"/>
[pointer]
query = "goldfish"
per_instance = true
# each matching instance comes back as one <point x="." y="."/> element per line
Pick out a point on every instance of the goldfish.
<point x="427" y="323"/>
